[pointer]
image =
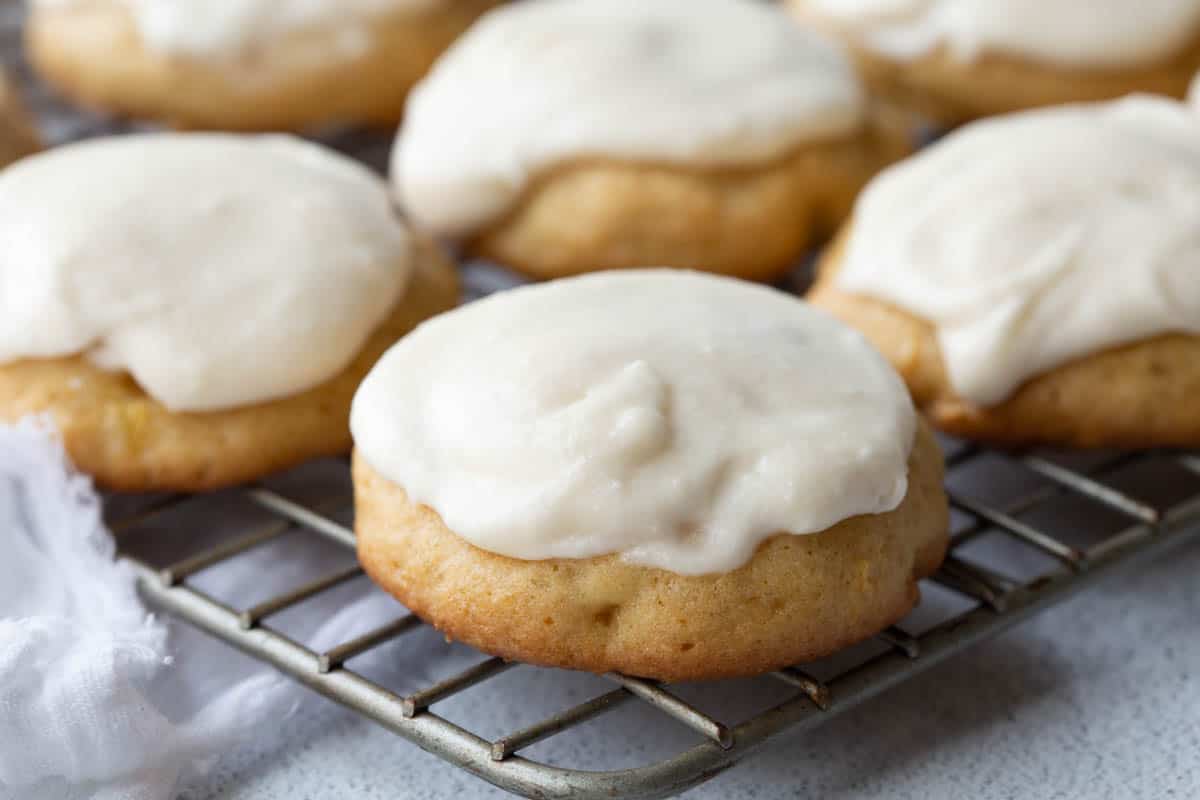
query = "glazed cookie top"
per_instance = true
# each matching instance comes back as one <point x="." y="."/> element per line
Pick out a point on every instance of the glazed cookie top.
<point x="698" y="82"/>
<point x="1088" y="33"/>
<point x="218" y="270"/>
<point x="676" y="418"/>
<point x="1037" y="238"/>
<point x="205" y="28"/>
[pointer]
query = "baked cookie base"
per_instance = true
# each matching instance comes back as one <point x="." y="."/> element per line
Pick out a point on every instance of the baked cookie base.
<point x="94" y="54"/>
<point x="799" y="598"/>
<point x="17" y="137"/>
<point x="1146" y="394"/>
<point x="751" y="223"/>
<point x="951" y="91"/>
<point x="129" y="441"/>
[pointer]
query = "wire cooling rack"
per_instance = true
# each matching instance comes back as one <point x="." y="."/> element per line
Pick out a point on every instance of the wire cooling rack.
<point x="1029" y="531"/>
<point x="1158" y="512"/>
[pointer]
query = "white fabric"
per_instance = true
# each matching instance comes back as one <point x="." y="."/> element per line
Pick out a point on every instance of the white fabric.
<point x="99" y="699"/>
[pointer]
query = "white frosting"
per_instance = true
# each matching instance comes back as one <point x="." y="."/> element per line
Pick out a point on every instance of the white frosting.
<point x="1089" y="33"/>
<point x="675" y="418"/>
<point x="703" y="82"/>
<point x="217" y="270"/>
<point x="207" y="28"/>
<point x="1037" y="238"/>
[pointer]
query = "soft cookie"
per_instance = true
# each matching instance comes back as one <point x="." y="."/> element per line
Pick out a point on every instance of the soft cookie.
<point x="692" y="477"/>
<point x="565" y="136"/>
<point x="246" y="65"/>
<point x="956" y="60"/>
<point x="1036" y="277"/>
<point x="196" y="310"/>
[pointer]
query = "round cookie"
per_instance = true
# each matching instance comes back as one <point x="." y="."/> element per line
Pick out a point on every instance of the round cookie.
<point x="623" y="508"/>
<point x="955" y="61"/>
<point x="268" y="65"/>
<point x="17" y="138"/>
<point x="1032" y="277"/>
<point x="169" y="391"/>
<point x="765" y="139"/>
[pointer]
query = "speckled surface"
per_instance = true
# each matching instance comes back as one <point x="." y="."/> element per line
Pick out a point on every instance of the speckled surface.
<point x="1097" y="698"/>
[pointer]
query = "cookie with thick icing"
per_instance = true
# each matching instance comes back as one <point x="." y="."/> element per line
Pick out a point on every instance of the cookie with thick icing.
<point x="249" y="65"/>
<point x="567" y="136"/>
<point x="956" y="60"/>
<point x="692" y="477"/>
<point x="192" y="311"/>
<point x="1035" y="277"/>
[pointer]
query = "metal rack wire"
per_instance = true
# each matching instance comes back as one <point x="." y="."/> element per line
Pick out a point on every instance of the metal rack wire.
<point x="997" y="601"/>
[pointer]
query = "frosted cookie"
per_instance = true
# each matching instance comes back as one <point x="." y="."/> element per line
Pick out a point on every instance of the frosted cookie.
<point x="17" y="137"/>
<point x="693" y="477"/>
<point x="196" y="310"/>
<point x="244" y="64"/>
<point x="1036" y="277"/>
<point x="710" y="134"/>
<point x="961" y="59"/>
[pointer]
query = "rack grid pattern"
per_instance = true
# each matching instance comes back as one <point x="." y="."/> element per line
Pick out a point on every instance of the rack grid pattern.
<point x="996" y="603"/>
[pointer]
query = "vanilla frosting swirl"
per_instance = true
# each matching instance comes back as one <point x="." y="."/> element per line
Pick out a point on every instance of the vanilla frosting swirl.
<point x="1037" y="238"/>
<point x="674" y="418"/>
<point x="217" y="270"/>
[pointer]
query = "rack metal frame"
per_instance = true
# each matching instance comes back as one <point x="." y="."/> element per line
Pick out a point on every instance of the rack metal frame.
<point x="999" y="602"/>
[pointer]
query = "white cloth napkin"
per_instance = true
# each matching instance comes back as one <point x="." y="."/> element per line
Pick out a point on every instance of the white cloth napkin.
<point x="100" y="699"/>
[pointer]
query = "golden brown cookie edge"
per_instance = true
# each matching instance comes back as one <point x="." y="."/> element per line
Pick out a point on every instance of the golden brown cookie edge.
<point x="751" y="222"/>
<point x="18" y="137"/>
<point x="94" y="55"/>
<point x="951" y="91"/>
<point x="798" y="599"/>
